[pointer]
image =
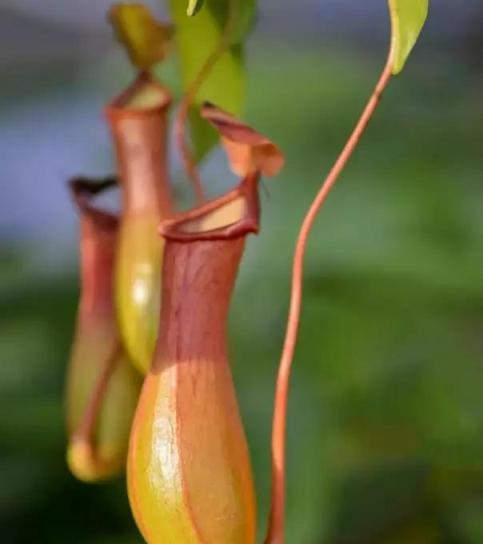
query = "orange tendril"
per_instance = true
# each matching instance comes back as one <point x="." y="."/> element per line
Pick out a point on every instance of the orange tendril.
<point x="276" y="524"/>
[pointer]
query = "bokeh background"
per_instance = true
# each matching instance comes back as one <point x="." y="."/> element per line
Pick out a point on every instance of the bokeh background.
<point x="386" y="411"/>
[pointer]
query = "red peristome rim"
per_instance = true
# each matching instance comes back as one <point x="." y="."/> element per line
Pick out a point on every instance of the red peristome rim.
<point x="117" y="108"/>
<point x="250" y="223"/>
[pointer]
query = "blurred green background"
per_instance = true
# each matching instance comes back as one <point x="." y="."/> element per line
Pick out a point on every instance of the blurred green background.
<point x="386" y="410"/>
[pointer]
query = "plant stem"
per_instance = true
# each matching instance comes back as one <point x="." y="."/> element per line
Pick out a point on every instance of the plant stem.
<point x="189" y="162"/>
<point x="276" y="525"/>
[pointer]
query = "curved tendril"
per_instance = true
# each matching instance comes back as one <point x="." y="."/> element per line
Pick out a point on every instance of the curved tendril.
<point x="182" y="117"/>
<point x="275" y="533"/>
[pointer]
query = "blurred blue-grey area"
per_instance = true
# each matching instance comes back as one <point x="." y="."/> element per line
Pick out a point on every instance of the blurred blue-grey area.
<point x="386" y="412"/>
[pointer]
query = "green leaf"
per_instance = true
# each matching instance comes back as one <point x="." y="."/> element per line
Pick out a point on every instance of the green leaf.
<point x="196" y="38"/>
<point x="145" y="39"/>
<point x="243" y="11"/>
<point x="407" y="18"/>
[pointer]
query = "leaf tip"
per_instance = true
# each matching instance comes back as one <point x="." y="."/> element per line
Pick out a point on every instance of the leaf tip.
<point x="194" y="7"/>
<point x="407" y="20"/>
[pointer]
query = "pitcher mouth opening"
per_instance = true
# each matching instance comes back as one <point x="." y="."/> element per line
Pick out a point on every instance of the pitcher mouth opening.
<point x="230" y="216"/>
<point x="143" y="97"/>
